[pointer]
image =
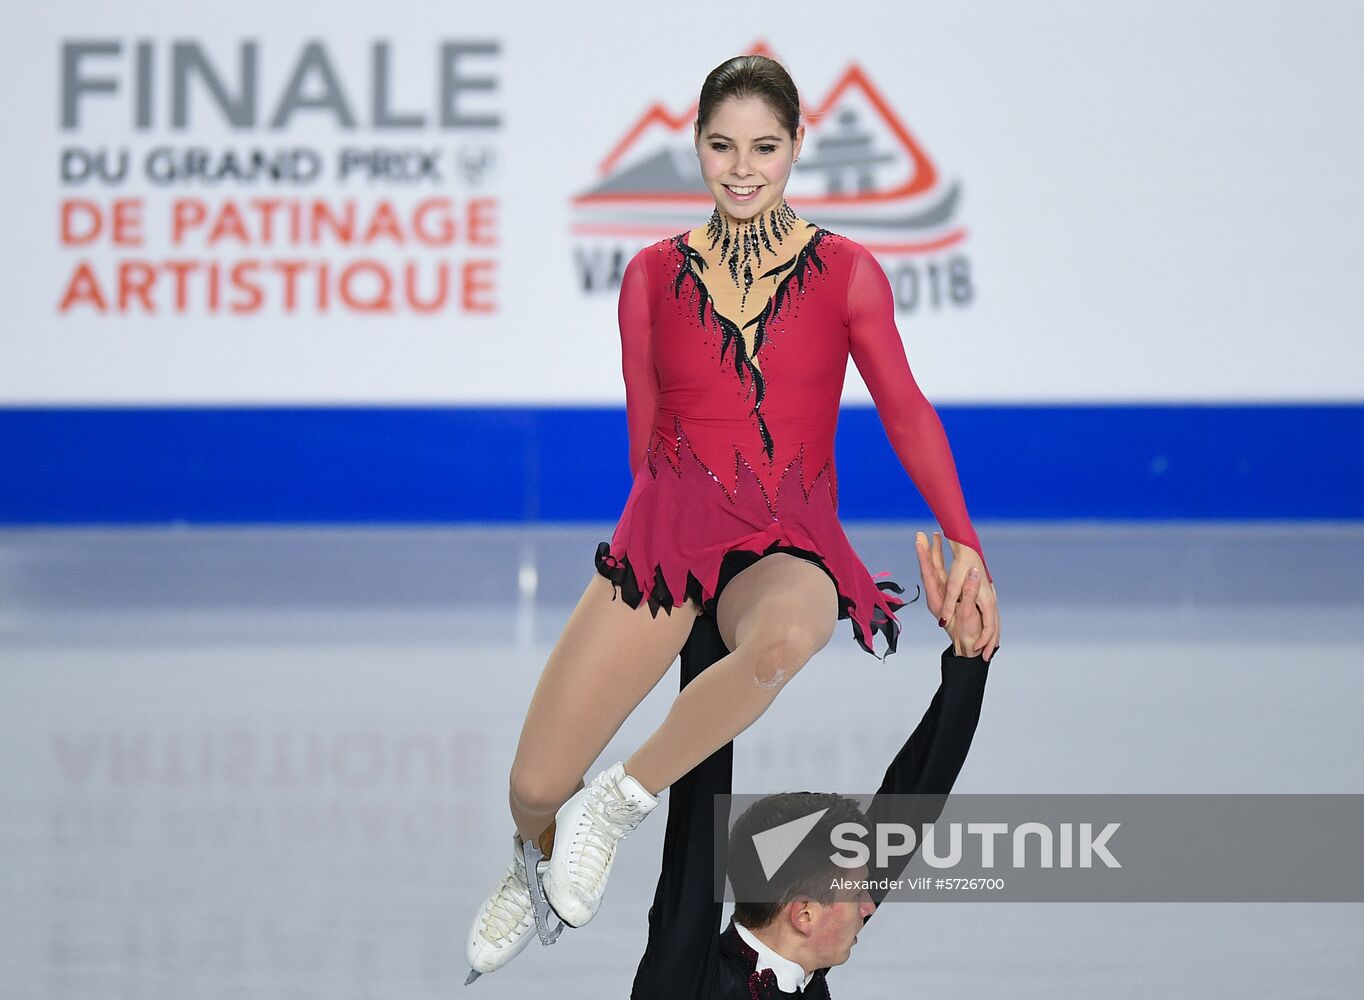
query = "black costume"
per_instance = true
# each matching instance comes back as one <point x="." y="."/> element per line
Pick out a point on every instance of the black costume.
<point x="685" y="958"/>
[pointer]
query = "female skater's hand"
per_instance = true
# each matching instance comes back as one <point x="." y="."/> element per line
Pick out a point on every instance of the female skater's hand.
<point x="963" y="559"/>
<point x="967" y="620"/>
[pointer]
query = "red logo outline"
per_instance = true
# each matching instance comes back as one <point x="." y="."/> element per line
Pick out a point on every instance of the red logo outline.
<point x="924" y="176"/>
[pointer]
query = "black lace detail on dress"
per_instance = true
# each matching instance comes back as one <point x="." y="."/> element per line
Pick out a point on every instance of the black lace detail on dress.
<point x="622" y="575"/>
<point x="745" y="364"/>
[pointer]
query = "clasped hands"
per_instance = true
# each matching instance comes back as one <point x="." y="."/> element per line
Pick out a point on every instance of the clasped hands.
<point x="962" y="601"/>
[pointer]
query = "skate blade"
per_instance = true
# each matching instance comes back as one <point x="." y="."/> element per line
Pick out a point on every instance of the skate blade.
<point x="538" y="901"/>
<point x="473" y="974"/>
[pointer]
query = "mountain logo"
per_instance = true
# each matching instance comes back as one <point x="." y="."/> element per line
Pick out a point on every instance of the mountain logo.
<point x="861" y="173"/>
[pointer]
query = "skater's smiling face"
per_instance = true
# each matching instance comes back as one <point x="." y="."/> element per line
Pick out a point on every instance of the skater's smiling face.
<point x="746" y="156"/>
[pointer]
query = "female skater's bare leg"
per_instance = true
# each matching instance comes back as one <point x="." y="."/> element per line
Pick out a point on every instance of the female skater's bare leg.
<point x="608" y="658"/>
<point x="774" y="616"/>
<point x="777" y="613"/>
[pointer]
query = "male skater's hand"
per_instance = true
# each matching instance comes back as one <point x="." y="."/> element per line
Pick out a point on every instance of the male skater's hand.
<point x="966" y="625"/>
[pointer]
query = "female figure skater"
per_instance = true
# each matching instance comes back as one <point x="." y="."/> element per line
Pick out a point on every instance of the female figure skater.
<point x="735" y="338"/>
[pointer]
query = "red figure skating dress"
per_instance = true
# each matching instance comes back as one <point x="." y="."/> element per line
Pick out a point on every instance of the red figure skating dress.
<point x="732" y="428"/>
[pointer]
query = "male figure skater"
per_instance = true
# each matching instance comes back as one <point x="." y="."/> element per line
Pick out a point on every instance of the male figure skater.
<point x="787" y="948"/>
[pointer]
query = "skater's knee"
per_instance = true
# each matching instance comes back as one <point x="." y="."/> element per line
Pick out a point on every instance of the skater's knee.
<point x="538" y="791"/>
<point x="780" y="649"/>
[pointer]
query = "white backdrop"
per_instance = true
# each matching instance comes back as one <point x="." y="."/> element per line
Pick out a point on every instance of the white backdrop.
<point x="1153" y="202"/>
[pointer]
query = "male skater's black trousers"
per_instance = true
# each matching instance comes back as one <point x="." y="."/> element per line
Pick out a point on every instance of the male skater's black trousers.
<point x="687" y="956"/>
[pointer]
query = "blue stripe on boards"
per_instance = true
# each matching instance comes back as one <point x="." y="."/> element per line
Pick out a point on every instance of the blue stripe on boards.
<point x="523" y="464"/>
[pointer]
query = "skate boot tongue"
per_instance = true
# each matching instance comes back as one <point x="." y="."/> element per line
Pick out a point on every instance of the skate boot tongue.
<point x="631" y="791"/>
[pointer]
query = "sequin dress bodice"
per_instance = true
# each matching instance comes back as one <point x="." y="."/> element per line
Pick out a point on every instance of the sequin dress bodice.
<point x="732" y="414"/>
<point x="778" y="394"/>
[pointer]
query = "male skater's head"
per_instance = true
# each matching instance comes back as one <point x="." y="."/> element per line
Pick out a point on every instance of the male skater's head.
<point x="802" y="912"/>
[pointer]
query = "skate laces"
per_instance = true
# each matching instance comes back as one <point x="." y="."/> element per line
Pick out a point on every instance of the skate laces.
<point x="611" y="816"/>
<point x="509" y="906"/>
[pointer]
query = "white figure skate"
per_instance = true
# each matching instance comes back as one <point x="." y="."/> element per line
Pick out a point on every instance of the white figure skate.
<point x="588" y="828"/>
<point x="502" y="925"/>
